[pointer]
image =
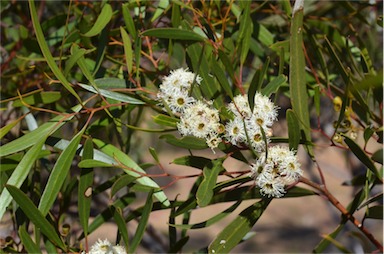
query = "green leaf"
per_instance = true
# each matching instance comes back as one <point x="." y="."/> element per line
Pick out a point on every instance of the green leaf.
<point x="4" y="130"/>
<point x="76" y="50"/>
<point x="212" y="220"/>
<point x="59" y="174"/>
<point x="142" y="223"/>
<point x="256" y="82"/>
<point x="173" y="33"/>
<point x="205" y="191"/>
<point x="192" y="161"/>
<point x="121" y="182"/>
<point x="161" y="7"/>
<point x="27" y="241"/>
<point x="274" y="85"/>
<point x="91" y="163"/>
<point x="166" y="120"/>
<point x="33" y="137"/>
<point x="362" y="156"/>
<point x="198" y="56"/>
<point x="187" y="142"/>
<point x="105" y="215"/>
<point x="73" y="59"/>
<point x="232" y="234"/>
<point x="113" y="95"/>
<point x="101" y="21"/>
<point x="42" y="97"/>
<point x="221" y="77"/>
<point x="85" y="187"/>
<point x="110" y="83"/>
<point x="293" y="130"/>
<point x="127" y="50"/>
<point x="297" y="81"/>
<point x="20" y="173"/>
<point x="35" y="215"/>
<point x="45" y="50"/>
<point x="374" y="212"/>
<point x="132" y="168"/>
<point x="128" y="20"/>
<point x="378" y="156"/>
<point x="121" y="225"/>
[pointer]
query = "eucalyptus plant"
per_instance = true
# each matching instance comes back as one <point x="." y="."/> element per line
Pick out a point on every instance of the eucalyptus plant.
<point x="90" y="88"/>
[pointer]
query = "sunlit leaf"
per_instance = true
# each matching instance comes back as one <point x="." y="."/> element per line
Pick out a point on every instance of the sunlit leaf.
<point x="102" y="20"/>
<point x="20" y="173"/>
<point x="59" y="174"/>
<point x="113" y="95"/>
<point x="131" y="168"/>
<point x="32" y="137"/>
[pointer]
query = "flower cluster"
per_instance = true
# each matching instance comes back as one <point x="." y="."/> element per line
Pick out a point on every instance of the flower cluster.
<point x="249" y="124"/>
<point x="275" y="170"/>
<point x="105" y="247"/>
<point x="175" y="90"/>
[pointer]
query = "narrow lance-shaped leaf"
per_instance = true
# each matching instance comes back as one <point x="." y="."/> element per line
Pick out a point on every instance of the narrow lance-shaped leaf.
<point x="113" y="95"/>
<point x="101" y="21"/>
<point x="293" y="130"/>
<point x="238" y="228"/>
<point x="47" y="54"/>
<point x="131" y="168"/>
<point x="85" y="187"/>
<point x="205" y="191"/>
<point x="362" y="156"/>
<point x="58" y="174"/>
<point x="20" y="173"/>
<point x="127" y="49"/>
<point x="33" y="137"/>
<point x="119" y="219"/>
<point x="142" y="224"/>
<point x="128" y="20"/>
<point x="4" y="130"/>
<point x="210" y="221"/>
<point x="297" y="81"/>
<point x="173" y="33"/>
<point x="27" y="241"/>
<point x="35" y="215"/>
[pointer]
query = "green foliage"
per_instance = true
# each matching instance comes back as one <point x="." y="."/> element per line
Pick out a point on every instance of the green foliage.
<point x="79" y="111"/>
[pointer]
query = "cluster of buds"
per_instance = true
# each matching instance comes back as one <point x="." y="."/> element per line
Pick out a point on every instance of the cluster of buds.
<point x="275" y="168"/>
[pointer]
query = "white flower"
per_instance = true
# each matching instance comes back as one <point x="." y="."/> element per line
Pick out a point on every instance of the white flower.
<point x="213" y="141"/>
<point x="178" y="101"/>
<point x="278" y="170"/>
<point x="199" y="120"/>
<point x="105" y="247"/>
<point x="180" y="78"/>
<point x="234" y="131"/>
<point x="240" y="106"/>
<point x="264" y="111"/>
<point x="175" y="89"/>
<point x="263" y="115"/>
